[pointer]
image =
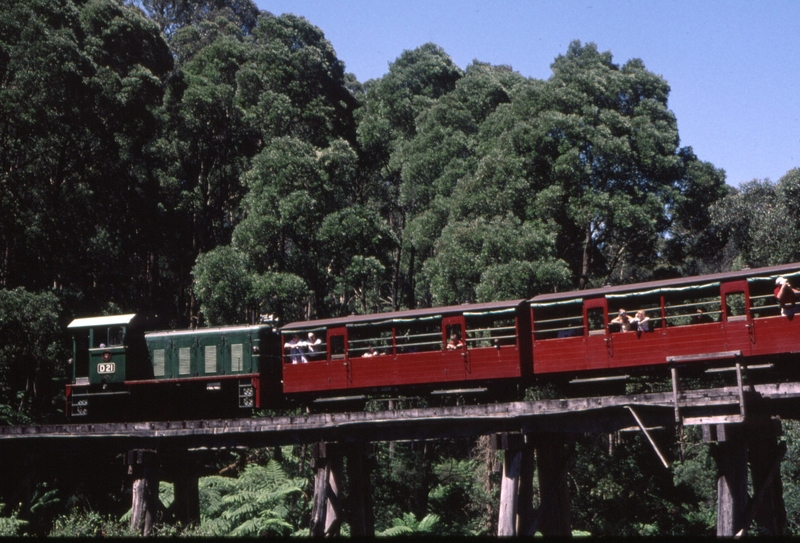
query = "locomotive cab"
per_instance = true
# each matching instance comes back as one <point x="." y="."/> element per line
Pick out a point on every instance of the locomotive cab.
<point x="104" y="351"/>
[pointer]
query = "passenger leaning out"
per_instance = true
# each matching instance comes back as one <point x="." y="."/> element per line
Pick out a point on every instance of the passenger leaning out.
<point x="295" y="347"/>
<point x="786" y="296"/>
<point x="314" y="346"/>
<point x="454" y="342"/>
<point x="623" y="320"/>
<point x="642" y="321"/>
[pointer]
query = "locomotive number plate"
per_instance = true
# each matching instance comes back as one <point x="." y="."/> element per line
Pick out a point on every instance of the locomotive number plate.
<point x="107" y="367"/>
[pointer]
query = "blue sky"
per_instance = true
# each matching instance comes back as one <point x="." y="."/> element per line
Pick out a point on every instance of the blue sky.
<point x="733" y="66"/>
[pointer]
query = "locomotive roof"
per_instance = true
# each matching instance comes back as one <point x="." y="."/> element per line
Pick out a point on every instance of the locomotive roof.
<point x="771" y="271"/>
<point x="406" y="314"/>
<point x="108" y="320"/>
<point x="210" y="330"/>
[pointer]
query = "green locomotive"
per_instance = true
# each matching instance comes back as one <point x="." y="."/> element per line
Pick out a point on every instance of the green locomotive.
<point x="123" y="372"/>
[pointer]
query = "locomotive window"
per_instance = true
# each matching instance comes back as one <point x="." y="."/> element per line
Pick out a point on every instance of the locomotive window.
<point x="116" y="335"/>
<point x="107" y="337"/>
<point x="558" y="320"/>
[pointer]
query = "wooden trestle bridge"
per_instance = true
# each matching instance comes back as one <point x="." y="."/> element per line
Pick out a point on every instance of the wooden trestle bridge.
<point x="739" y="422"/>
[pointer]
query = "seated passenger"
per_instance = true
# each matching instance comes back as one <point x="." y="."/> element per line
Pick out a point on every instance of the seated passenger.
<point x="642" y="321"/>
<point x="623" y="320"/>
<point x="700" y="317"/>
<point x="370" y="352"/>
<point x="786" y="296"/>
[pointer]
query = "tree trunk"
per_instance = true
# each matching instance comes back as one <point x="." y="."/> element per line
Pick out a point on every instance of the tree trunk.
<point x="587" y="258"/>
<point x="509" y="493"/>
<point x="143" y="465"/>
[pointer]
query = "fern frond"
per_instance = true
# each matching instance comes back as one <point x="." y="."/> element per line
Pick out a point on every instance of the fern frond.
<point x="429" y="523"/>
<point x="395" y="531"/>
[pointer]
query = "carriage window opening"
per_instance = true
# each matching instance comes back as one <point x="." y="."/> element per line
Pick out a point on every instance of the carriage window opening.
<point x="762" y="297"/>
<point x="596" y="318"/>
<point x="490" y="331"/>
<point x="558" y="321"/>
<point x="734" y="305"/>
<point x="455" y="338"/>
<point x="369" y="340"/>
<point x="315" y="347"/>
<point x="696" y="304"/>
<point x="337" y="346"/>
<point x="638" y="306"/>
<point x="420" y="336"/>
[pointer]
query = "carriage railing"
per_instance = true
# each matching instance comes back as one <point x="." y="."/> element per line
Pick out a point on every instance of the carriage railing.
<point x="686" y="313"/>
<point x="359" y="347"/>
<point x="654" y="321"/>
<point x="764" y="305"/>
<point x="320" y="351"/>
<point x="544" y="327"/>
<point x="303" y="349"/>
<point x="432" y="342"/>
<point x="485" y="337"/>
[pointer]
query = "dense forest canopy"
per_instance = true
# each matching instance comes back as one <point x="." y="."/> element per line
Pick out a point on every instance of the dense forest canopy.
<point x="202" y="158"/>
<point x="185" y="158"/>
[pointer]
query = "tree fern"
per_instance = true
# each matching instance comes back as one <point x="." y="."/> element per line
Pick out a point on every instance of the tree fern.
<point x="408" y="525"/>
<point x="253" y="504"/>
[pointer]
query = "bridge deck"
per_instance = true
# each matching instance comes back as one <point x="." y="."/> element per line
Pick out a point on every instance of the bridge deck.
<point x="595" y="414"/>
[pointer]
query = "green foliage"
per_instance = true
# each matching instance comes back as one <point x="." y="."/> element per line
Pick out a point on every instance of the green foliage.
<point x="223" y="286"/>
<point x="790" y="472"/>
<point x="432" y="481"/>
<point x="11" y="526"/>
<point x="29" y="348"/>
<point x="205" y="156"/>
<point x="627" y="491"/>
<point x="760" y="221"/>
<point x="89" y="524"/>
<point x="489" y="260"/>
<point x="461" y="498"/>
<point x="257" y="503"/>
<point x="408" y="525"/>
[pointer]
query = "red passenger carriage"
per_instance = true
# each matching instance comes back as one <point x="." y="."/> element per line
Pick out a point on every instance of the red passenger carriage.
<point x="703" y="318"/>
<point x="490" y="342"/>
